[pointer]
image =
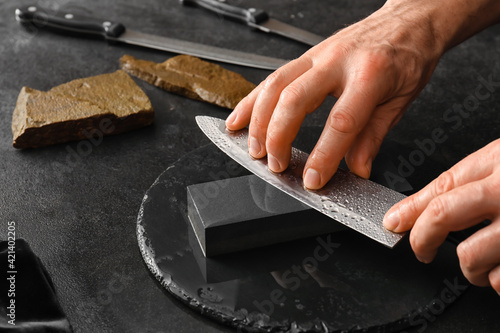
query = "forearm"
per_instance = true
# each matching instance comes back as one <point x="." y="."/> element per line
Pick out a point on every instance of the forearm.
<point x="449" y="21"/>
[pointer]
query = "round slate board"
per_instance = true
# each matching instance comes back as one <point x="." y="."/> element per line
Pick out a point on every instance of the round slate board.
<point x="342" y="281"/>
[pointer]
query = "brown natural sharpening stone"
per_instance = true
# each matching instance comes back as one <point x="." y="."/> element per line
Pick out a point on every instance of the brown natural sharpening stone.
<point x="191" y="77"/>
<point x="81" y="109"/>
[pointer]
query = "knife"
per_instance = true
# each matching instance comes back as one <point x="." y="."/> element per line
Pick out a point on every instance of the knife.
<point x="116" y="32"/>
<point x="257" y="19"/>
<point x="353" y="201"/>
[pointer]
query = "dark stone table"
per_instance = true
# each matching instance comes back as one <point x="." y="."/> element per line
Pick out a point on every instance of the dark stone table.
<point x="78" y="210"/>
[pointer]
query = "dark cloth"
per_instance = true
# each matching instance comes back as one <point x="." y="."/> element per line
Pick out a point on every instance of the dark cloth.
<point x="26" y="282"/>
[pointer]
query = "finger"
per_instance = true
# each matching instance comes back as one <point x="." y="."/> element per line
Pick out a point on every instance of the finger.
<point x="240" y="117"/>
<point x="347" y="118"/>
<point x="360" y="156"/>
<point x="455" y="210"/>
<point x="302" y="96"/>
<point x="494" y="277"/>
<point x="480" y="253"/>
<point x="266" y="103"/>
<point x="402" y="216"/>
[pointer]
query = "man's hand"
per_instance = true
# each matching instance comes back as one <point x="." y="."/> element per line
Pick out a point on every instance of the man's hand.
<point x="461" y="197"/>
<point x="375" y="67"/>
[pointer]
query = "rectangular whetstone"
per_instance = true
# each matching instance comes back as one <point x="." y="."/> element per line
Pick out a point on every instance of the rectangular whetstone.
<point x="243" y="213"/>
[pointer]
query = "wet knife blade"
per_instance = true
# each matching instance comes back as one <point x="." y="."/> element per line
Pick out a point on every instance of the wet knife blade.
<point x="116" y="32"/>
<point x="351" y="200"/>
<point x="258" y="19"/>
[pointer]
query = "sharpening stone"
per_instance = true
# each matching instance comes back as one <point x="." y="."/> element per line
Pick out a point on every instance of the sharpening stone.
<point x="245" y="212"/>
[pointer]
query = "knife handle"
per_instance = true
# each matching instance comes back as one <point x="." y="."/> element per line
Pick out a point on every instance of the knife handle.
<point x="68" y="22"/>
<point x="250" y="16"/>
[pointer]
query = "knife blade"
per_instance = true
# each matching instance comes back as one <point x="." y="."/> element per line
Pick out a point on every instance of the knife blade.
<point x="257" y="19"/>
<point x="116" y="32"/>
<point x="351" y="200"/>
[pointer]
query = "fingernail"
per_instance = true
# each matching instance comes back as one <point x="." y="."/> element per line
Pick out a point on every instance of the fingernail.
<point x="255" y="147"/>
<point x="392" y="220"/>
<point x="273" y="163"/>
<point x="312" y="179"/>
<point x="498" y="292"/>
<point x="231" y="118"/>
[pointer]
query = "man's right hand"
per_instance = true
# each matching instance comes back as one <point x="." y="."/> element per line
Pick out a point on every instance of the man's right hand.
<point x="375" y="67"/>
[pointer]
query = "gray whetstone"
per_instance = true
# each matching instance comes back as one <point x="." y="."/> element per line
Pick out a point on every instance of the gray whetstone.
<point x="242" y="213"/>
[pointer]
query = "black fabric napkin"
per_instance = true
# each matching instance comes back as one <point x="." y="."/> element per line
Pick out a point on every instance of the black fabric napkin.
<point x="27" y="295"/>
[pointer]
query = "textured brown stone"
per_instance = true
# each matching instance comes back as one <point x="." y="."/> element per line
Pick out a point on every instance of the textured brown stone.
<point x="191" y="77"/>
<point x="81" y="109"/>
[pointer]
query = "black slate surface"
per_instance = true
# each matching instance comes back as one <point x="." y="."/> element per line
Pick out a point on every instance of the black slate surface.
<point x="78" y="211"/>
<point x="340" y="281"/>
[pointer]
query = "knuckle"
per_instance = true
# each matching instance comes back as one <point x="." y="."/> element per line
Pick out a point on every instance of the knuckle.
<point x="337" y="52"/>
<point x="274" y="141"/>
<point x="274" y="79"/>
<point x="318" y="157"/>
<point x="444" y="183"/>
<point x="375" y="62"/>
<point x="466" y="256"/>
<point x="291" y="96"/>
<point x="382" y="58"/>
<point x="407" y="210"/>
<point x="342" y="121"/>
<point x="258" y="126"/>
<point x="437" y="209"/>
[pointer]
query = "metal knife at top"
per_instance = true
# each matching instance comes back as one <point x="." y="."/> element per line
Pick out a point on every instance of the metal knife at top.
<point x="258" y="19"/>
<point x="116" y="32"/>
<point x="351" y="200"/>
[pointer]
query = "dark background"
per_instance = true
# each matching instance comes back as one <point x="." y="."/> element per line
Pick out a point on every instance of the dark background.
<point x="79" y="212"/>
